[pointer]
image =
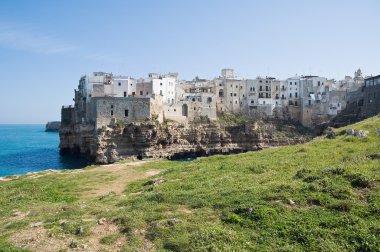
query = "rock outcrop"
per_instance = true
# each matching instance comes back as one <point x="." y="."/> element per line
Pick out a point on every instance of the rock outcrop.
<point x="174" y="140"/>
<point x="53" y="126"/>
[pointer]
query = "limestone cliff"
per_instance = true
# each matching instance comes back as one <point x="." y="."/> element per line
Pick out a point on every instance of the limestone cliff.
<point x="174" y="140"/>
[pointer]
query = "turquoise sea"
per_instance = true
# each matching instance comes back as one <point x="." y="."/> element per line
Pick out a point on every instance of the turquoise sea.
<point x="28" y="148"/>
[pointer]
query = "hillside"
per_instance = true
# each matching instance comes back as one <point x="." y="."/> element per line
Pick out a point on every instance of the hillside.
<point x="319" y="196"/>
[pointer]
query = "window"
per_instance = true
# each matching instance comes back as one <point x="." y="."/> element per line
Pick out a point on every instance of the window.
<point x="209" y="99"/>
<point x="261" y="81"/>
<point x="235" y="102"/>
<point x="221" y="94"/>
<point x="125" y="94"/>
<point x="133" y="93"/>
<point x="161" y="92"/>
<point x="290" y="83"/>
<point x="261" y="88"/>
<point x="290" y="95"/>
<point x="231" y="94"/>
<point x="160" y="84"/>
<point x="147" y="93"/>
<point x="234" y="94"/>
<point x="131" y="84"/>
<point x="111" y="106"/>
<point x="295" y="83"/>
<point x="236" y="86"/>
<point x="141" y="92"/>
<point x="319" y="83"/>
<point x="296" y="94"/>
<point x="126" y="113"/>
<point x="119" y="83"/>
<point x="252" y="102"/>
<point x="111" y="112"/>
<point x="295" y="103"/>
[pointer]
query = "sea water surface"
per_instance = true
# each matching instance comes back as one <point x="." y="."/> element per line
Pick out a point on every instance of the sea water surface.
<point x="28" y="148"/>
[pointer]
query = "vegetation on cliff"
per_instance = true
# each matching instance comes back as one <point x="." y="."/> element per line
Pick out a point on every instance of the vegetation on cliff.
<point x="319" y="196"/>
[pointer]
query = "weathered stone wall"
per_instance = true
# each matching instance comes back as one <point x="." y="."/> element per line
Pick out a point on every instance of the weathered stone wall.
<point x="371" y="101"/>
<point x="124" y="109"/>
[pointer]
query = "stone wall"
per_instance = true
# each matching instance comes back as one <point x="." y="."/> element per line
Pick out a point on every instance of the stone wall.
<point x="371" y="101"/>
<point x="124" y="109"/>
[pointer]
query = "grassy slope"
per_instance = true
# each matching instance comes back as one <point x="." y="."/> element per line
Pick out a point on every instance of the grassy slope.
<point x="324" y="195"/>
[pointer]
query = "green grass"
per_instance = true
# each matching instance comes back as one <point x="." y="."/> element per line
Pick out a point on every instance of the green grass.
<point x="319" y="196"/>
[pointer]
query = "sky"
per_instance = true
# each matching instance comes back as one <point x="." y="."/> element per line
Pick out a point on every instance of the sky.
<point x="46" y="46"/>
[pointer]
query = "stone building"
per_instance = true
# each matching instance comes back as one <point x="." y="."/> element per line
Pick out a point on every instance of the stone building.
<point x="103" y="98"/>
<point x="371" y="96"/>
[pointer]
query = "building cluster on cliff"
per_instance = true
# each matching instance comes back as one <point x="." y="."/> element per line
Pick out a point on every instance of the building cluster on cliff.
<point x="103" y="98"/>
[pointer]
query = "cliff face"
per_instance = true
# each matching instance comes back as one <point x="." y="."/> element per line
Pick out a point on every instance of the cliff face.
<point x="174" y="140"/>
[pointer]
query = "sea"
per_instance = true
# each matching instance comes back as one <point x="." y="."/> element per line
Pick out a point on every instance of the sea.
<point x="28" y="148"/>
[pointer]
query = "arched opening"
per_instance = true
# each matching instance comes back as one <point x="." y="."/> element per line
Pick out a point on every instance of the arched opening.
<point x="221" y="93"/>
<point x="184" y="110"/>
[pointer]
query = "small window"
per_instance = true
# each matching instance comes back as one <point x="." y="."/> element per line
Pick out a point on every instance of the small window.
<point x="119" y="83"/>
<point x="161" y="92"/>
<point x="141" y="92"/>
<point x="126" y="112"/>
<point x="111" y="106"/>
<point x="147" y="93"/>
<point x="125" y="94"/>
<point x="111" y="112"/>
<point x="234" y="94"/>
<point x="161" y="84"/>
<point x="133" y="93"/>
<point x="131" y="84"/>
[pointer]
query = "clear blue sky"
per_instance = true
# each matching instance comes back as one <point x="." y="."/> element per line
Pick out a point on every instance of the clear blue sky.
<point x="45" y="46"/>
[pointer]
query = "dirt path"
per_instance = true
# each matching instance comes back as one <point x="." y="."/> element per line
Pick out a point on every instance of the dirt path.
<point x="116" y="177"/>
<point x="124" y="173"/>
